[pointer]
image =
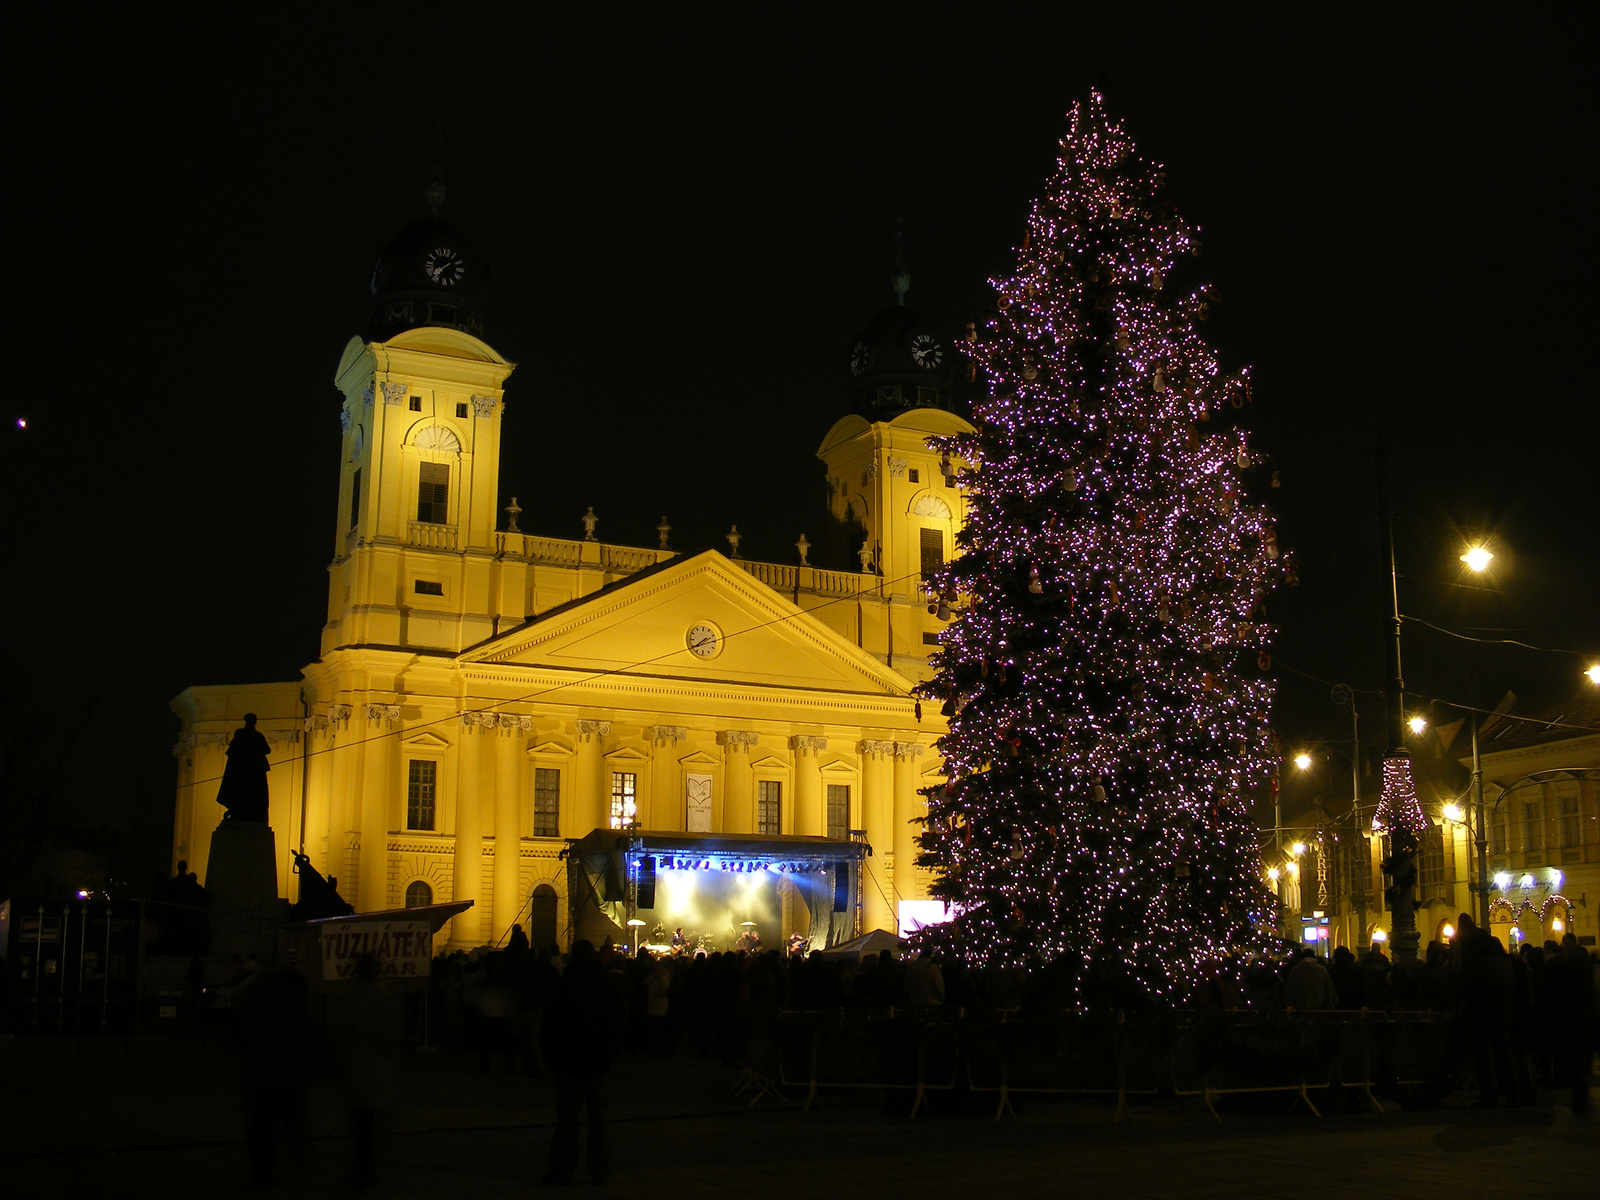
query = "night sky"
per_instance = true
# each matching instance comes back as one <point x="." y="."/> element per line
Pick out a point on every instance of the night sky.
<point x="688" y="219"/>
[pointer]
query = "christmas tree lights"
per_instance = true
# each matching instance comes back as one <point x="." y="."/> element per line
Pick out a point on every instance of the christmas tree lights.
<point x="1107" y="681"/>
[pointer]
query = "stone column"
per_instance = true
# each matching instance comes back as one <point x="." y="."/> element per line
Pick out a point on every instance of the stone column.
<point x="877" y="815"/>
<point x="319" y="790"/>
<point x="346" y="774"/>
<point x="594" y="787"/>
<point x="666" y="805"/>
<point x="908" y="806"/>
<point x="509" y="760"/>
<point x="467" y="929"/>
<point x="810" y="814"/>
<point x="379" y="749"/>
<point x="738" y="785"/>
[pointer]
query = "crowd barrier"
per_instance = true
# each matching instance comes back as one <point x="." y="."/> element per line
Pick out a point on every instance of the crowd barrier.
<point x="1203" y="1055"/>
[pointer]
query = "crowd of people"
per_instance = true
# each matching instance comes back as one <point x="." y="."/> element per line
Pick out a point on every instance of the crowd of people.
<point x="1527" y="1018"/>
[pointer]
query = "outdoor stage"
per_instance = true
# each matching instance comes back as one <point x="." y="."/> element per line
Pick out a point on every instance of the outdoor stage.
<point x="714" y="886"/>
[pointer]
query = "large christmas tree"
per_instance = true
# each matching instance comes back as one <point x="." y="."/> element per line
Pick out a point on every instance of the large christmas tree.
<point x="1106" y="681"/>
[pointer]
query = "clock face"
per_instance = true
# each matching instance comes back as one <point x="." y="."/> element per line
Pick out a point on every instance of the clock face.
<point x="702" y="640"/>
<point x="444" y="267"/>
<point x="860" y="358"/>
<point x="926" y="351"/>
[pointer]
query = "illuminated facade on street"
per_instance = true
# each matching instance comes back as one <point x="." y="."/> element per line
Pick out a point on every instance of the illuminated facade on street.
<point x="485" y="695"/>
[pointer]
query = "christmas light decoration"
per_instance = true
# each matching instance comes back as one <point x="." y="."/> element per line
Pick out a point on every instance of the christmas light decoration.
<point x="1107" y="678"/>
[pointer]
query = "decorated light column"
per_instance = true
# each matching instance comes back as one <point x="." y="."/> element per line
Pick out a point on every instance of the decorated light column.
<point x="1399" y="815"/>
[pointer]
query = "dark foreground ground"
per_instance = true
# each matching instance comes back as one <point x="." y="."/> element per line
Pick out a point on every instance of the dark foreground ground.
<point x="163" y="1118"/>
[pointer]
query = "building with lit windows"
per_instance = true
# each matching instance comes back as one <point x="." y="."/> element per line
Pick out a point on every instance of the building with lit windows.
<point x="486" y="698"/>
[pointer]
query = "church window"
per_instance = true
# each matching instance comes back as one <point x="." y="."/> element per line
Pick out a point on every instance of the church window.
<point x="914" y="475"/>
<point x="838" y="811"/>
<point x="932" y="551"/>
<point x="546" y="802"/>
<point x="624" y="800"/>
<point x="418" y="895"/>
<point x="433" y="493"/>
<point x="428" y="587"/>
<point x="769" y="800"/>
<point x="420" y="782"/>
<point x="355" y="497"/>
<point x="416" y="404"/>
<point x="461" y="410"/>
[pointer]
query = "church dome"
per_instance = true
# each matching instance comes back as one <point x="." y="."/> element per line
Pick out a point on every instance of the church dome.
<point x="900" y="362"/>
<point x="428" y="274"/>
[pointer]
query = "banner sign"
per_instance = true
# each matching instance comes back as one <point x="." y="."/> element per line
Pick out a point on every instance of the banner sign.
<point x="742" y="866"/>
<point x="404" y="949"/>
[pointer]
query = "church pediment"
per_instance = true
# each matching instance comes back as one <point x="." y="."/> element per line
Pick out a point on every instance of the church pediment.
<point x="698" y="618"/>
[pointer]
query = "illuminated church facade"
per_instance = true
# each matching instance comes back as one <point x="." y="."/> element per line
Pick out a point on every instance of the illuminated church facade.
<point x="485" y="697"/>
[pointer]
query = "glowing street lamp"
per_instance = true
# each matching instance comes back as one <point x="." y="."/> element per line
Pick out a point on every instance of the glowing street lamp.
<point x="1477" y="558"/>
<point x="1417" y="724"/>
<point x="1303" y="761"/>
<point x="1453" y="812"/>
<point x="1593" y="673"/>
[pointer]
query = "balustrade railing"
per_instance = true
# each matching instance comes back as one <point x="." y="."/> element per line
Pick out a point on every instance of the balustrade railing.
<point x="430" y="536"/>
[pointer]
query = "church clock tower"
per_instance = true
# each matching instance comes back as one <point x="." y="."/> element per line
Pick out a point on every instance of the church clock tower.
<point x="894" y="495"/>
<point x="423" y="398"/>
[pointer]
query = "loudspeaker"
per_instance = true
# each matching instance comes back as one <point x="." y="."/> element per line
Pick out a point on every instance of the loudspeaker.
<point x="647" y="883"/>
<point x="841" y="887"/>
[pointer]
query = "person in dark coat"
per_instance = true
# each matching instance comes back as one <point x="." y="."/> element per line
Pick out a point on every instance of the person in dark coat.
<point x="243" y="791"/>
<point x="1570" y="978"/>
<point x="576" y="1036"/>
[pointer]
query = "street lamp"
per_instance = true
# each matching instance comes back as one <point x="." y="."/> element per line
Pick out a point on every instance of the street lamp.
<point x="1477" y="558"/>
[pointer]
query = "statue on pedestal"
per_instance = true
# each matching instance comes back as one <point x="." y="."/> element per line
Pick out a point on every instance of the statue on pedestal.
<point x="244" y="780"/>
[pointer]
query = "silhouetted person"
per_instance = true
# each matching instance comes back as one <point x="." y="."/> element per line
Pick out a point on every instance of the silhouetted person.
<point x="274" y="1038"/>
<point x="1570" y="977"/>
<point x="924" y="982"/>
<point x="577" y="1035"/>
<point x="244" y="780"/>
<point x="365" y="1023"/>
<point x="1483" y="982"/>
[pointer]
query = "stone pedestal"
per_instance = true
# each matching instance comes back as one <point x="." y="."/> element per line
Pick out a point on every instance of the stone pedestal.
<point x="242" y="884"/>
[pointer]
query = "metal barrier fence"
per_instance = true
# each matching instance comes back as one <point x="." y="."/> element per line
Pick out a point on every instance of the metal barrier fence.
<point x="1204" y="1055"/>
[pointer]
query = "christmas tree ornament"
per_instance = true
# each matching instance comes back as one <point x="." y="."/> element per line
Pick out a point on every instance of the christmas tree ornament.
<point x="1034" y="585"/>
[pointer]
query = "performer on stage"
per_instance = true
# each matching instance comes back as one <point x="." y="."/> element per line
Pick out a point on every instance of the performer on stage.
<point x="679" y="943"/>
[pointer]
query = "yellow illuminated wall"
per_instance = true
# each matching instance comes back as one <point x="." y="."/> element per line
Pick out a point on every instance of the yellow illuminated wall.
<point x="492" y="656"/>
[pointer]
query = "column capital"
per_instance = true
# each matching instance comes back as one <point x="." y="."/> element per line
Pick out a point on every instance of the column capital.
<point x="666" y="734"/>
<point x="383" y="713"/>
<point x="338" y="715"/>
<point x="908" y="750"/>
<point x="872" y="748"/>
<point x="589" y="730"/>
<point x="738" y="737"/>
<point x="510" y="723"/>
<point x="801" y="743"/>
<point x="315" y="724"/>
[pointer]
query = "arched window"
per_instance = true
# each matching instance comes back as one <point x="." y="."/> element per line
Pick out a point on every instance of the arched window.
<point x="418" y="895"/>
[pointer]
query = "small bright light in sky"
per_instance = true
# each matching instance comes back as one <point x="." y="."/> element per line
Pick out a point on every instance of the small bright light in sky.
<point x="22" y="422"/>
<point x="1477" y="558"/>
